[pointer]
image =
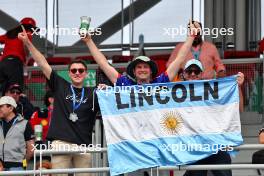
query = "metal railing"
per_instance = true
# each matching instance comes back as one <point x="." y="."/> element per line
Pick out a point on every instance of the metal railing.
<point x="106" y="169"/>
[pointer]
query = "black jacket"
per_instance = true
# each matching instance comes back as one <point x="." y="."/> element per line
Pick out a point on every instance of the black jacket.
<point x="25" y="108"/>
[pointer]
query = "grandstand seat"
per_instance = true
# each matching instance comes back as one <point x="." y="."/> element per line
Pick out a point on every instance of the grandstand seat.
<point x="59" y="60"/>
<point x="122" y="59"/>
<point x="161" y="61"/>
<point x="240" y="54"/>
<point x="53" y="61"/>
<point x="86" y="59"/>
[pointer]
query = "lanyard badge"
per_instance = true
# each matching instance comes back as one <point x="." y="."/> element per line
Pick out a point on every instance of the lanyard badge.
<point x="73" y="116"/>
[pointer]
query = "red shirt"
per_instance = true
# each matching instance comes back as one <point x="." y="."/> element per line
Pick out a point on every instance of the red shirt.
<point x="36" y="120"/>
<point x="14" y="47"/>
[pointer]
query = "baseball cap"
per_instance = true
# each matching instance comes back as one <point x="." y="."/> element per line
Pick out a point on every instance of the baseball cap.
<point x="8" y="100"/>
<point x="28" y="21"/>
<point x="193" y="62"/>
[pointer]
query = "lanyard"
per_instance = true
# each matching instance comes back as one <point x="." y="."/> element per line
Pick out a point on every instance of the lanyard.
<point x="196" y="54"/>
<point x="74" y="106"/>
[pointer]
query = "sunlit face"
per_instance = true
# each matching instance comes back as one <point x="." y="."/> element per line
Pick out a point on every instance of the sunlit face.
<point x="5" y="111"/>
<point x="142" y="71"/>
<point x="77" y="73"/>
<point x="193" y="72"/>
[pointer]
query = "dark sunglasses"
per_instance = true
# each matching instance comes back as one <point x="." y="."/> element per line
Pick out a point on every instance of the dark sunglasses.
<point x="80" y="70"/>
<point x="15" y="92"/>
<point x="195" y="71"/>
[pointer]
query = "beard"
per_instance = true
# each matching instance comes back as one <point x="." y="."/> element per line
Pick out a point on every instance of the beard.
<point x="197" y="41"/>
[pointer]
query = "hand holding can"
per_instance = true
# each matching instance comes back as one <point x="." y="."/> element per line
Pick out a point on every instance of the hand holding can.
<point x="84" y="27"/>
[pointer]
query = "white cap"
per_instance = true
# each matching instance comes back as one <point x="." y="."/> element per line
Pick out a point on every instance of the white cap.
<point x="8" y="100"/>
<point x="193" y="62"/>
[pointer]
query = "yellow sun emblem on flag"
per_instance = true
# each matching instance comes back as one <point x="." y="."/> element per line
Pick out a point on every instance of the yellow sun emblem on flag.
<point x="171" y="122"/>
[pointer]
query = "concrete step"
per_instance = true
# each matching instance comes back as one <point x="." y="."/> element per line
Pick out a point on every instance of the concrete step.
<point x="250" y="130"/>
<point x="250" y="118"/>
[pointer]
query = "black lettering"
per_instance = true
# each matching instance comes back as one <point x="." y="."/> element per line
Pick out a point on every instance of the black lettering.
<point x="119" y="103"/>
<point x="132" y="98"/>
<point x="165" y="88"/>
<point x="174" y="95"/>
<point x="148" y="98"/>
<point x="161" y="101"/>
<point x="213" y="91"/>
<point x="192" y="94"/>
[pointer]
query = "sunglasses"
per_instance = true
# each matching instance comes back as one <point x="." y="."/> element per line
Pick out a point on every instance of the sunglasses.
<point x="15" y="92"/>
<point x="195" y="71"/>
<point x="80" y="70"/>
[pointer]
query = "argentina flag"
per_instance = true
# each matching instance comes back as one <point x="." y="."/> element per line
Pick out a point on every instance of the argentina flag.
<point x="169" y="124"/>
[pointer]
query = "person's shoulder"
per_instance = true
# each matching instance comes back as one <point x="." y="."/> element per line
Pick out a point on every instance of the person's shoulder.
<point x="125" y="80"/>
<point x="122" y="78"/>
<point x="20" y="118"/>
<point x="162" y="78"/>
<point x="55" y="75"/>
<point x="208" y="44"/>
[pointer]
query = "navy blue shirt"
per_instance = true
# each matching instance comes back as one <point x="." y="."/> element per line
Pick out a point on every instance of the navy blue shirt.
<point x="126" y="81"/>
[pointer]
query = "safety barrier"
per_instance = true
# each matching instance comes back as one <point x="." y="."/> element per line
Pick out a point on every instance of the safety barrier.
<point x="106" y="169"/>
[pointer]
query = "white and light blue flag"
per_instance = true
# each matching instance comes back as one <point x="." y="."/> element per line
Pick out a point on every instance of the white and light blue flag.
<point x="169" y="124"/>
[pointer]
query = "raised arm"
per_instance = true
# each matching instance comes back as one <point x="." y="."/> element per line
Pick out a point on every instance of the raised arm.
<point x="100" y="59"/>
<point x="37" y="56"/>
<point x="240" y="81"/>
<point x="174" y="67"/>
